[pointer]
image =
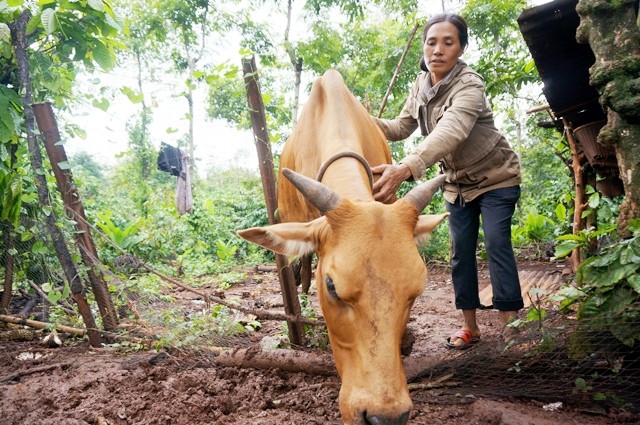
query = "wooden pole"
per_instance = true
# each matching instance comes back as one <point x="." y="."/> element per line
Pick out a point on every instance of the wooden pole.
<point x="579" y="201"/>
<point x="397" y="70"/>
<point x="265" y="159"/>
<point x="71" y="199"/>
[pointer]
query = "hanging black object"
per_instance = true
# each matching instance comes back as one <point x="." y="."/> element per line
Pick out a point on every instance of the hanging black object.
<point x="169" y="159"/>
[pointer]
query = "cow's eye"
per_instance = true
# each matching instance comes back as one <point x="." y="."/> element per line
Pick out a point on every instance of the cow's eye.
<point x="331" y="288"/>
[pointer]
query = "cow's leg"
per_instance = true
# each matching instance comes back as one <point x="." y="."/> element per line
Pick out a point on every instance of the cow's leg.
<point x="302" y="272"/>
<point x="305" y="272"/>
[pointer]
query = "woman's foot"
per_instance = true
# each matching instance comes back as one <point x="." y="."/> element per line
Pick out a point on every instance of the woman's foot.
<point x="462" y="339"/>
<point x="509" y="331"/>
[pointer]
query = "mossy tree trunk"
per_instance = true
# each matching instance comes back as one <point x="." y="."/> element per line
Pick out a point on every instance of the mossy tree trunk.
<point x="610" y="28"/>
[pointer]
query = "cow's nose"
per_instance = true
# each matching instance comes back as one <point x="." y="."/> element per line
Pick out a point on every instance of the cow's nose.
<point x="387" y="420"/>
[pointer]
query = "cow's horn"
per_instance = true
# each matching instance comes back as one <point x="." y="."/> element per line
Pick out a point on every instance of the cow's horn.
<point x="420" y="196"/>
<point x="323" y="198"/>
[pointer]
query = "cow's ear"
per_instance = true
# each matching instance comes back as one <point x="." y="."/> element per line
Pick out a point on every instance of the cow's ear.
<point x="425" y="225"/>
<point x="291" y="239"/>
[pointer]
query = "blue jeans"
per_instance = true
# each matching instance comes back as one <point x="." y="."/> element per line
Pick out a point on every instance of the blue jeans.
<point x="496" y="208"/>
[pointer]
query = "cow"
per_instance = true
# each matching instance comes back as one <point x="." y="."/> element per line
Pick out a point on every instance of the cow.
<point x="369" y="270"/>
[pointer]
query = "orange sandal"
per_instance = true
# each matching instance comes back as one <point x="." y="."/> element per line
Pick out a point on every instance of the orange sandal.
<point x="468" y="339"/>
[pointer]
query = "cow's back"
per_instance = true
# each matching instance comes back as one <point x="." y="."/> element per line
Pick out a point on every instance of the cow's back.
<point x="332" y="121"/>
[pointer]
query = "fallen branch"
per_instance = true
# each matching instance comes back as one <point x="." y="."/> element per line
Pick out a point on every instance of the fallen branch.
<point x="39" y="369"/>
<point x="42" y="325"/>
<point x="308" y="362"/>
<point x="438" y="383"/>
<point x="264" y="268"/>
<point x="288" y="360"/>
<point x="72" y="331"/>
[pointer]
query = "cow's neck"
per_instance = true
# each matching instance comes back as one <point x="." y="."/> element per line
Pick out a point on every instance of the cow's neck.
<point x="348" y="174"/>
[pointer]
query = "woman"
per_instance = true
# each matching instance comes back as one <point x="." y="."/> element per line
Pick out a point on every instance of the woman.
<point x="449" y="105"/>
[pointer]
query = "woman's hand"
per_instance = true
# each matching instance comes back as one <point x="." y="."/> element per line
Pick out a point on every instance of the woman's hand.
<point x="392" y="175"/>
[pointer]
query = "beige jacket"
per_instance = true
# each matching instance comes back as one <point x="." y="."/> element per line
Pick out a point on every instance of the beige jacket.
<point x="460" y="133"/>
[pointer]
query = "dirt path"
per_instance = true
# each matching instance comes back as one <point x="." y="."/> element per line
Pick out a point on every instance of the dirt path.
<point x="79" y="385"/>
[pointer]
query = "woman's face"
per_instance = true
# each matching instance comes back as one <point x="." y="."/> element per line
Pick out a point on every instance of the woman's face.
<point x="442" y="49"/>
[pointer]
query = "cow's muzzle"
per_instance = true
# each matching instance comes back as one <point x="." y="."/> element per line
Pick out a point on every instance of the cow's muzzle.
<point x="371" y="419"/>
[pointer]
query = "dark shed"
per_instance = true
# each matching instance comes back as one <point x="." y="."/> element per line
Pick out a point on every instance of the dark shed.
<point x="550" y="33"/>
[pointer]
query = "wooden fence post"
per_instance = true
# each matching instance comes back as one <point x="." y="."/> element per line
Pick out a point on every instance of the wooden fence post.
<point x="71" y="199"/>
<point x="265" y="159"/>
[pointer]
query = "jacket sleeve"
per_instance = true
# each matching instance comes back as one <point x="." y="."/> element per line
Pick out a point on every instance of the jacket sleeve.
<point x="404" y="124"/>
<point x="455" y="120"/>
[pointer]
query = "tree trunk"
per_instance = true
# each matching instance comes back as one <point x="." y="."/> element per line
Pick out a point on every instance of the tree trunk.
<point x="579" y="204"/>
<point x="191" y="144"/>
<point x="7" y="261"/>
<point x="610" y="28"/>
<point x="18" y="37"/>
<point x="296" y="66"/>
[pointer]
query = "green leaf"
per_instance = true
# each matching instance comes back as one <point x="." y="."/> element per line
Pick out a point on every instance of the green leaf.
<point x="48" y="19"/>
<point x="594" y="200"/>
<point x="64" y="165"/>
<point x="5" y="33"/>
<point x="54" y="296"/>
<point x="96" y="5"/>
<point x="634" y="282"/>
<point x="39" y="248"/>
<point x="134" y="96"/>
<point x="29" y="198"/>
<point x="102" y="56"/>
<point x="15" y="3"/>
<point x="536" y="315"/>
<point x="47" y="287"/>
<point x="628" y="255"/>
<point x="581" y="384"/>
<point x="561" y="212"/>
<point x="604" y="260"/>
<point x="563" y="249"/>
<point x="102" y="104"/>
<point x="616" y="274"/>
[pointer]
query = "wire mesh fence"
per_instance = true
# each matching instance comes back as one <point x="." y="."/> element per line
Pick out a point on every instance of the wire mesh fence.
<point x="559" y="359"/>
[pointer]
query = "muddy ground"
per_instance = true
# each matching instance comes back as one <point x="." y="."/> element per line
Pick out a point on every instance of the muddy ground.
<point x="77" y="384"/>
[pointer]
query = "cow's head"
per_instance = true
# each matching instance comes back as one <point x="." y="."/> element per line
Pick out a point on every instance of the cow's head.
<point x="369" y="273"/>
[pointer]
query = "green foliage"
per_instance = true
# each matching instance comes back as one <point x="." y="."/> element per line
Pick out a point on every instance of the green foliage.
<point x="534" y="227"/>
<point x="608" y="297"/>
<point x="10" y="118"/>
<point x="10" y="197"/>
<point x="504" y="59"/>
<point x="55" y="294"/>
<point x="583" y="239"/>
<point x="195" y="329"/>
<point x="125" y="237"/>
<point x="227" y="280"/>
<point x="315" y="336"/>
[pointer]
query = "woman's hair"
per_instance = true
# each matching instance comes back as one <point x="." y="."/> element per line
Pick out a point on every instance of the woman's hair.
<point x="457" y="20"/>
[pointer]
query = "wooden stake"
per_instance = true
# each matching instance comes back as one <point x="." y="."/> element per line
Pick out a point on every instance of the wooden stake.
<point x="397" y="70"/>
